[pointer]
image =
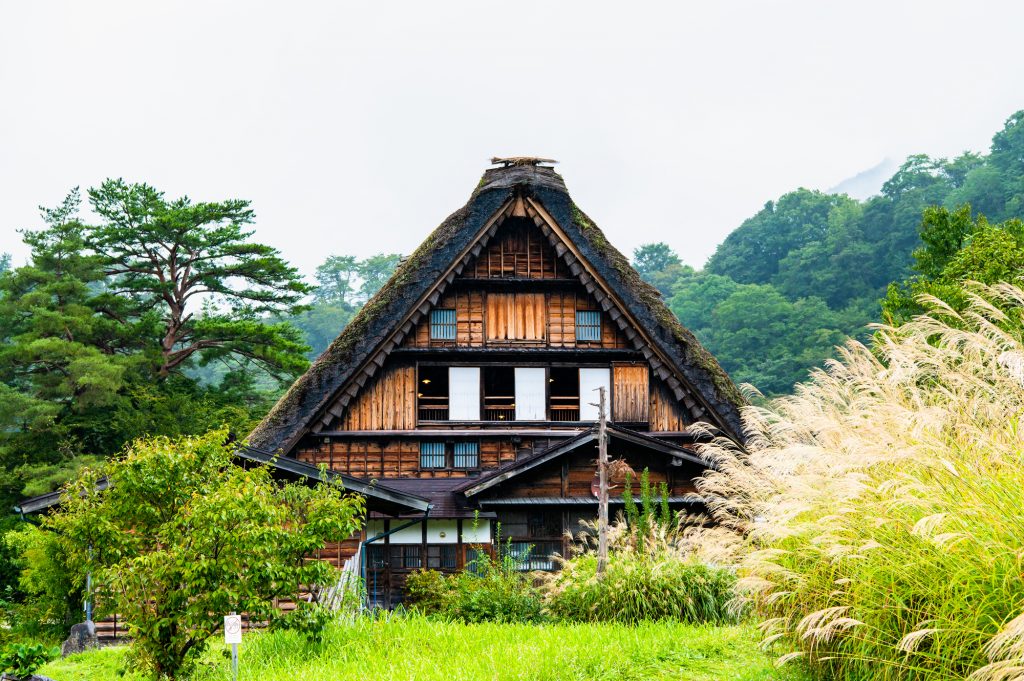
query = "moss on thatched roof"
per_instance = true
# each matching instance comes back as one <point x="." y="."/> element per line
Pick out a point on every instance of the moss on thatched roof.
<point x="290" y="418"/>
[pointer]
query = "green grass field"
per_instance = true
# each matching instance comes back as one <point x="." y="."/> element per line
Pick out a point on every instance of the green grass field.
<point x="423" y="650"/>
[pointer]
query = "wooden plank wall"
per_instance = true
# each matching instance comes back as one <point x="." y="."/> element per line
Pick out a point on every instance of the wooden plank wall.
<point x="388" y="402"/>
<point x="469" y="317"/>
<point x="666" y="414"/>
<point x="562" y="308"/>
<point x="520" y="252"/>
<point x="630" y="388"/>
<point x="574" y="479"/>
<point x="516" y="317"/>
<point x="496" y="319"/>
<point x="396" y="458"/>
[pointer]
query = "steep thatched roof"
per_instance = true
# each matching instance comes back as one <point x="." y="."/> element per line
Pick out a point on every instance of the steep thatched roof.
<point x="380" y="317"/>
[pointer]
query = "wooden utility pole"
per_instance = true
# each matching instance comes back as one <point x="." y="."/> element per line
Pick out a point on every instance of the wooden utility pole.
<point x="602" y="497"/>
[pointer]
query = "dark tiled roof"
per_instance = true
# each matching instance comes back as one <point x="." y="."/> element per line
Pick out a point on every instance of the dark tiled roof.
<point x="439" y="491"/>
<point x="587" y="438"/>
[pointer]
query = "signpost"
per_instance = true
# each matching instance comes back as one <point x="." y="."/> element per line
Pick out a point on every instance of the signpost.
<point x="233" y="635"/>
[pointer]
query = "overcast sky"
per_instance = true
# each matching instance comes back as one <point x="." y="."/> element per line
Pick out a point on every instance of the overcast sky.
<point x="357" y="127"/>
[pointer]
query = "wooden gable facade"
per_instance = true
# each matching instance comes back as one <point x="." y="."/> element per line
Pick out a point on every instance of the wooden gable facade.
<point x="470" y="382"/>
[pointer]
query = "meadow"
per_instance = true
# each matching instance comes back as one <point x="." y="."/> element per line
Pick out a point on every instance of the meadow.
<point x="431" y="650"/>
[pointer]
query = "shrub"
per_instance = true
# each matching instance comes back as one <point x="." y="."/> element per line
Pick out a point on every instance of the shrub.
<point x="310" y="620"/>
<point x="51" y="587"/>
<point x="640" y="585"/>
<point x="490" y="591"/>
<point x="651" y="514"/>
<point x="183" y="535"/>
<point x="22" y="659"/>
<point x="426" y="590"/>
<point x="883" y="504"/>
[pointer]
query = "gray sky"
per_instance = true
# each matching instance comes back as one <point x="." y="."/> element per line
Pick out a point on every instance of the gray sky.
<point x="357" y="127"/>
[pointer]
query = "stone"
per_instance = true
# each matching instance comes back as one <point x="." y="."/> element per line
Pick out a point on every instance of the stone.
<point x="81" y="638"/>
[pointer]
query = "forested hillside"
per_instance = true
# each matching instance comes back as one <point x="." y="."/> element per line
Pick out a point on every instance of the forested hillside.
<point x="810" y="268"/>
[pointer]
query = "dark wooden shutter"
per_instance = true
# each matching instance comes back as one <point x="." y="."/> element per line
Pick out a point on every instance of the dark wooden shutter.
<point x="630" y="391"/>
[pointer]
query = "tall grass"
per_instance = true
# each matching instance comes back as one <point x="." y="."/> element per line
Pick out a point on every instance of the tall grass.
<point x="653" y="573"/>
<point x="406" y="648"/>
<point x="883" y="503"/>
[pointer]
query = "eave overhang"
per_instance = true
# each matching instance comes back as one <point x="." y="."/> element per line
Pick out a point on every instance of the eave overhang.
<point x="584" y="439"/>
<point x="379" y="498"/>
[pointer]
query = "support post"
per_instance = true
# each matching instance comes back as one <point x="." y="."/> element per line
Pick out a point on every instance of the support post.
<point x="234" y="658"/>
<point x="602" y="498"/>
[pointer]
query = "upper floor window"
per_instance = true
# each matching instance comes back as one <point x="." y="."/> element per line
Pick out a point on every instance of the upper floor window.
<point x="467" y="455"/>
<point x="432" y="455"/>
<point x="588" y="325"/>
<point x="442" y="324"/>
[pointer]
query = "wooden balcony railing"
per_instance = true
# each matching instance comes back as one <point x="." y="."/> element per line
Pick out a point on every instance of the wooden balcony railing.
<point x="565" y="408"/>
<point x="499" y="408"/>
<point x="433" y="409"/>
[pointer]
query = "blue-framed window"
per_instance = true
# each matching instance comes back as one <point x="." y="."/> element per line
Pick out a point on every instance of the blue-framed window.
<point x="442" y="324"/>
<point x="432" y="455"/>
<point x="467" y="455"/>
<point x="588" y="325"/>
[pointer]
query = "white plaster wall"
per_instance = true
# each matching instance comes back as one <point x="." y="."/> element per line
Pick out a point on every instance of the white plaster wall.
<point x="481" y="534"/>
<point x="449" y="528"/>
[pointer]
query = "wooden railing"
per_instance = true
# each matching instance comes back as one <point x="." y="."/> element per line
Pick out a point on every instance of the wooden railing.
<point x="565" y="408"/>
<point x="433" y="409"/>
<point x="499" y="408"/>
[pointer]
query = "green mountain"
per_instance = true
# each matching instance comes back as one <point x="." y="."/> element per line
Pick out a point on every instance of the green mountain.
<point x="809" y="269"/>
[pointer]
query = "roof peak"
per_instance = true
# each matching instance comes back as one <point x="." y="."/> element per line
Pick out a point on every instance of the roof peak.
<point x="521" y="161"/>
<point x="521" y="174"/>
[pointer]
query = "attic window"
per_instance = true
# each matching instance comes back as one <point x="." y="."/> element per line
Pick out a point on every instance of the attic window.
<point x="442" y="324"/>
<point x="432" y="455"/>
<point x="588" y="325"/>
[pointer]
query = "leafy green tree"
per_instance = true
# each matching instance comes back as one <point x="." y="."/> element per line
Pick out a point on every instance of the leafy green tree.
<point x="183" y="536"/>
<point x="659" y="266"/>
<point x="957" y="247"/>
<point x="64" y="357"/>
<point x="165" y="256"/>
<point x="50" y="585"/>
<point x="322" y="323"/>
<point x="757" y="334"/>
<point x="106" y="328"/>
<point x="375" y="271"/>
<point x="336" y="280"/>
<point x="753" y="252"/>
<point x="344" y="283"/>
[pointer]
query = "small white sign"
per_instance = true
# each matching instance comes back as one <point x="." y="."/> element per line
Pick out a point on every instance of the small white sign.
<point x="232" y="629"/>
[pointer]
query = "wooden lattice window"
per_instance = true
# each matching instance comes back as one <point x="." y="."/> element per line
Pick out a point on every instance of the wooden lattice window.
<point x="467" y="455"/>
<point x="588" y="325"/>
<point x="442" y="324"/>
<point x="432" y="455"/>
<point x="443" y="556"/>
